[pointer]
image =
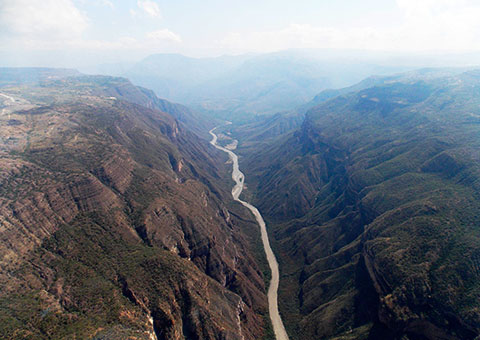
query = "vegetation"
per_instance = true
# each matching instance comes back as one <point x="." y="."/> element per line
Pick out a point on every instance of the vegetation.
<point x="117" y="223"/>
<point x="374" y="207"/>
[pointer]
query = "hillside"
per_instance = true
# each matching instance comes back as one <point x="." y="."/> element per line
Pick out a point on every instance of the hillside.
<point x="114" y="220"/>
<point x="373" y="205"/>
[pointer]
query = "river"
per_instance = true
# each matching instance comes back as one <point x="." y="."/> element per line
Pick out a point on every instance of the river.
<point x="239" y="178"/>
<point x="11" y="99"/>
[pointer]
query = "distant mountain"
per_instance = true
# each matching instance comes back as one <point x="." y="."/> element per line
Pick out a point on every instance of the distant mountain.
<point x="172" y="76"/>
<point x="421" y="74"/>
<point x="240" y="88"/>
<point x="115" y="220"/>
<point x="10" y="76"/>
<point x="373" y="209"/>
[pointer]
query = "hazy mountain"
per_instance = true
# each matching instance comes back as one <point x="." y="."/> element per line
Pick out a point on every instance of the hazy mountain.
<point x="239" y="88"/>
<point x="373" y="208"/>
<point x="172" y="76"/>
<point x="31" y="75"/>
<point x="116" y="222"/>
<point x="420" y="74"/>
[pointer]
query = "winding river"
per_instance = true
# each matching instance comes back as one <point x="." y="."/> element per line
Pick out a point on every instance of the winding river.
<point x="239" y="178"/>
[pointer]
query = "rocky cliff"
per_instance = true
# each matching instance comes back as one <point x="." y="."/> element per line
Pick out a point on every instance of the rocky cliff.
<point x="114" y="221"/>
<point x="373" y="205"/>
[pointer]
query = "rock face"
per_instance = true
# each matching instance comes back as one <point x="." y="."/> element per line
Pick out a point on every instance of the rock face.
<point x="374" y="207"/>
<point x="114" y="222"/>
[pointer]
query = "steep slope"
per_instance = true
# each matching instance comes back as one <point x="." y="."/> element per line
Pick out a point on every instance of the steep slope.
<point x="374" y="207"/>
<point x="265" y="128"/>
<point x="421" y="74"/>
<point x="117" y="87"/>
<point x="113" y="221"/>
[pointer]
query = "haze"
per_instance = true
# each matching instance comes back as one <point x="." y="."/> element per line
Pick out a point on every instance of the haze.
<point x="240" y="170"/>
<point x="80" y="33"/>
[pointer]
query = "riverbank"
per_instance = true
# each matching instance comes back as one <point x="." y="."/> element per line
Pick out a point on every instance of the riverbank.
<point x="239" y="179"/>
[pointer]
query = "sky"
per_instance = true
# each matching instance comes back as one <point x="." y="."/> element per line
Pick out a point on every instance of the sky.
<point x="64" y="32"/>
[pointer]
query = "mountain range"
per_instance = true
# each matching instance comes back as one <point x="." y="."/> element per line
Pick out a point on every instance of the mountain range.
<point x="373" y="208"/>
<point x="117" y="219"/>
<point x="239" y="88"/>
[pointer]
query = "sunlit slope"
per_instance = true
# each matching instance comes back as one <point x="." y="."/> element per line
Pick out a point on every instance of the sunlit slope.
<point x="114" y="221"/>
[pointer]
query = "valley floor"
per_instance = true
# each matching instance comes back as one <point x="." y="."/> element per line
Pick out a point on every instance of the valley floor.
<point x="239" y="178"/>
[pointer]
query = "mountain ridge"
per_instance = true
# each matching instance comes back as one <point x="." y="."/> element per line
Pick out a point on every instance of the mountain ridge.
<point x="114" y="223"/>
<point x="239" y="88"/>
<point x="368" y="202"/>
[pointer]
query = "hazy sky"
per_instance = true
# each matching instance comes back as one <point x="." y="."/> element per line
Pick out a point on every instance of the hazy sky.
<point x="33" y="31"/>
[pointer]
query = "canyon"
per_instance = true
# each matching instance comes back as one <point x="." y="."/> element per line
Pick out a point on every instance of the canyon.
<point x="239" y="179"/>
<point x="115" y="222"/>
<point x="126" y="216"/>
